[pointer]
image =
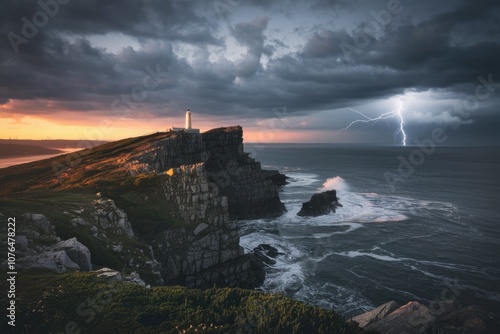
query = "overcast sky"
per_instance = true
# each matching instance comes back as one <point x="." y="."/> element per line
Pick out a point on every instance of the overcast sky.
<point x="287" y="71"/>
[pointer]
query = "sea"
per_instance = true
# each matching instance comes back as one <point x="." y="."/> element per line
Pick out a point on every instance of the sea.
<point x="19" y="160"/>
<point x="416" y="225"/>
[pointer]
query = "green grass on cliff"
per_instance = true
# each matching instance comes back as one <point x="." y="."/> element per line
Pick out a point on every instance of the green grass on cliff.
<point x="92" y="168"/>
<point x="51" y="303"/>
<point x="145" y="216"/>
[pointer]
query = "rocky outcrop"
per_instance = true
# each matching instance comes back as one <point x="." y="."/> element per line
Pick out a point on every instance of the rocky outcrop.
<point x="414" y="317"/>
<point x="277" y="178"/>
<point x="375" y="315"/>
<point x="211" y="181"/>
<point x="320" y="204"/>
<point x="198" y="201"/>
<point x="109" y="274"/>
<point x="195" y="186"/>
<point x="205" y="252"/>
<point x="64" y="256"/>
<point x="57" y="261"/>
<point x="77" y="252"/>
<point x="266" y="253"/>
<point x="39" y="247"/>
<point x="237" y="176"/>
<point x="108" y="217"/>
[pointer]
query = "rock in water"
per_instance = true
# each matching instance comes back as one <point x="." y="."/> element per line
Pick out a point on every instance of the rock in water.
<point x="266" y="253"/>
<point x="320" y="204"/>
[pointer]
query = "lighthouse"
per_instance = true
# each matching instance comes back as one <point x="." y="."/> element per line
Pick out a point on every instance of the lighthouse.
<point x="188" y="128"/>
<point x="188" y="119"/>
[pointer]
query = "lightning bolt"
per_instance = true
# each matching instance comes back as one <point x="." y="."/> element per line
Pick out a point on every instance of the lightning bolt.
<point x="369" y="121"/>
<point x="401" y="123"/>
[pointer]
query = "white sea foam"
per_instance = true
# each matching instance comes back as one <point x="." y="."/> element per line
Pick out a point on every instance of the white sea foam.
<point x="372" y="255"/>
<point x="301" y="180"/>
<point x="292" y="274"/>
<point x="335" y="183"/>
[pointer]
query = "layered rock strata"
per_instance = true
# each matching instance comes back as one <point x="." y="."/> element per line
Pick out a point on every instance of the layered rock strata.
<point x="211" y="181"/>
<point x="206" y="252"/>
<point x="251" y="194"/>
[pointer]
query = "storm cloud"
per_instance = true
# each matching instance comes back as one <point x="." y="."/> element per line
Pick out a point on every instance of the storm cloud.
<point x="240" y="60"/>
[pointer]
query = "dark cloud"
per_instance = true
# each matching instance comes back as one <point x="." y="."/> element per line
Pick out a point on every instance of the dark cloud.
<point x="186" y="42"/>
<point x="252" y="36"/>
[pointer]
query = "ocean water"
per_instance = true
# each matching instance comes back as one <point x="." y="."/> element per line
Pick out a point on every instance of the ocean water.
<point x="13" y="161"/>
<point x="434" y="237"/>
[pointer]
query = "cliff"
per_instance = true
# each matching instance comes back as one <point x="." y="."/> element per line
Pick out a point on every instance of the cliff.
<point x="237" y="176"/>
<point x="165" y="206"/>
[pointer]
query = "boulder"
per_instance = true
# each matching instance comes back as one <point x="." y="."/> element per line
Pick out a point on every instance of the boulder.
<point x="135" y="278"/>
<point x="375" y="315"/>
<point x="57" y="261"/>
<point x="77" y="252"/>
<point x="452" y="318"/>
<point x="109" y="274"/>
<point x="78" y="221"/>
<point x="320" y="204"/>
<point x="410" y="318"/>
<point x="39" y="221"/>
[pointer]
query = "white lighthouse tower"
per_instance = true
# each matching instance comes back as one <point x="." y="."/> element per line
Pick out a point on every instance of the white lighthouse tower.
<point x="188" y="119"/>
<point x="188" y="128"/>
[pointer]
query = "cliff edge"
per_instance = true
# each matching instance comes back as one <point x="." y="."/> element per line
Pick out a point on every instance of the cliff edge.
<point x="174" y="194"/>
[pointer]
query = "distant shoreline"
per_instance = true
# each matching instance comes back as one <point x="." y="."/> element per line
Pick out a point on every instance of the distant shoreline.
<point x="19" y="150"/>
<point x="22" y="159"/>
<point x="54" y="143"/>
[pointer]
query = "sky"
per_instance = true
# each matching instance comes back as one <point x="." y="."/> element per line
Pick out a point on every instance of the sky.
<point x="383" y="72"/>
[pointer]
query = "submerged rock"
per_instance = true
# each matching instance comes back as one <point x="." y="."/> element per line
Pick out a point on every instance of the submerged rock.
<point x="266" y="253"/>
<point x="320" y="204"/>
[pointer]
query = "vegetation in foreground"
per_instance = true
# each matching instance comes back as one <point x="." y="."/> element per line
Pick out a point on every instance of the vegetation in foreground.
<point x="84" y="303"/>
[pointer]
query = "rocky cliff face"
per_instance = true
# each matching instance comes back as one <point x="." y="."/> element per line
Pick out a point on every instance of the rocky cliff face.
<point x="206" y="252"/>
<point x="165" y="205"/>
<point x="211" y="181"/>
<point x="235" y="175"/>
